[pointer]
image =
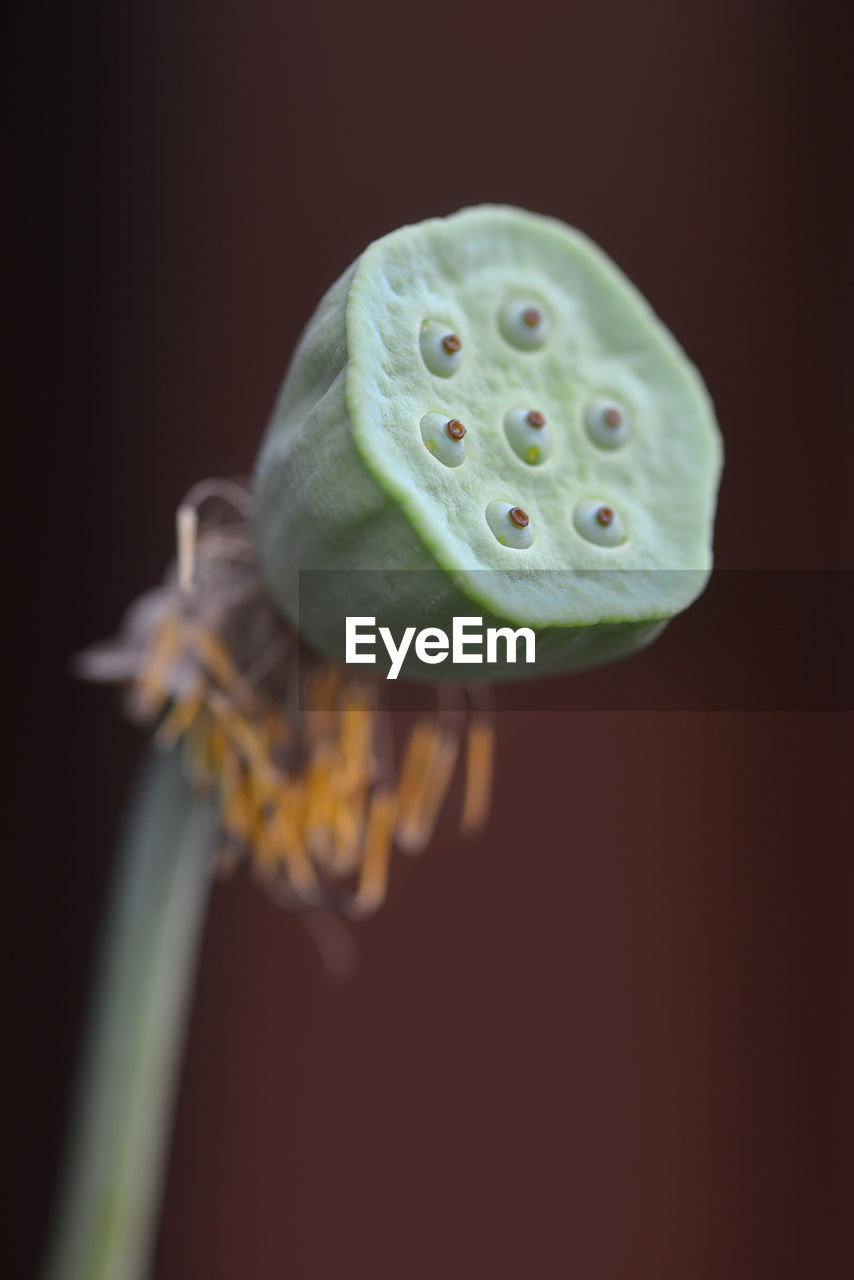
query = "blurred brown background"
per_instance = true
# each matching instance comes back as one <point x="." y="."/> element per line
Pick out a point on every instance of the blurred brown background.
<point x="610" y="1038"/>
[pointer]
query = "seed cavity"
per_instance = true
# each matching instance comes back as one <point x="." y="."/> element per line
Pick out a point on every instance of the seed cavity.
<point x="598" y="522"/>
<point x="523" y="323"/>
<point x="444" y="438"/>
<point x="528" y="435"/>
<point x="510" y="524"/>
<point x="607" y="423"/>
<point x="441" y="348"/>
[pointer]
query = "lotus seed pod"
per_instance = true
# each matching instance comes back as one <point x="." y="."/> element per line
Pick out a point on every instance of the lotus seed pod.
<point x="549" y="347"/>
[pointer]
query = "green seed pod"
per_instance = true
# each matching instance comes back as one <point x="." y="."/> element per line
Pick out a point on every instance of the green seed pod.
<point x="484" y="318"/>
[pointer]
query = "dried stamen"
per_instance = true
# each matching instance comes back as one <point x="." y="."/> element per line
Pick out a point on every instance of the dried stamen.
<point x="420" y="751"/>
<point x="304" y="778"/>
<point x="424" y="780"/>
<point x="373" y="879"/>
<point x="480" y="749"/>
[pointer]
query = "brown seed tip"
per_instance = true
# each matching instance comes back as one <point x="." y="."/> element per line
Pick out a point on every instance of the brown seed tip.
<point x="451" y="343"/>
<point x="518" y="517"/>
<point x="531" y="316"/>
<point x="604" y="516"/>
<point x="455" y="429"/>
<point x="536" y="419"/>
<point x="612" y="417"/>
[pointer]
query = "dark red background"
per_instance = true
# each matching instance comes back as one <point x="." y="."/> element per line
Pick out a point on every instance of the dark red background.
<point x="610" y="1037"/>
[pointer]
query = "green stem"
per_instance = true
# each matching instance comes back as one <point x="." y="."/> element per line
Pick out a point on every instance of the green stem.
<point x="112" y="1181"/>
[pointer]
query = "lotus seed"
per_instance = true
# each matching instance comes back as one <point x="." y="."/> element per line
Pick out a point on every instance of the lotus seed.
<point x="510" y="524"/>
<point x="607" y="423"/>
<point x="443" y="437"/>
<point x="441" y="348"/>
<point x="528" y="435"/>
<point x="599" y="523"/>
<point x="523" y="325"/>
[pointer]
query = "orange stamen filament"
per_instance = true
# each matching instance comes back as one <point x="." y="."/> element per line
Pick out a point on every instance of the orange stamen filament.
<point x="373" y="879"/>
<point x="420" y="804"/>
<point x="480" y="752"/>
<point x="417" y="758"/>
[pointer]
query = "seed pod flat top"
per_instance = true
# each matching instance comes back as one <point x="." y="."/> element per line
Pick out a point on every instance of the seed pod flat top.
<point x="488" y="395"/>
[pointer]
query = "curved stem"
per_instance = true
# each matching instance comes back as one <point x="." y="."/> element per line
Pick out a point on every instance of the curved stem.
<point x="111" y="1184"/>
